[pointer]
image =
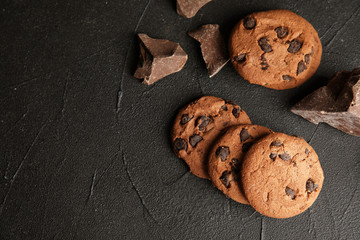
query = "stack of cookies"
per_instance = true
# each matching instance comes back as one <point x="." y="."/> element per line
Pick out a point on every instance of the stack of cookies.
<point x="279" y="175"/>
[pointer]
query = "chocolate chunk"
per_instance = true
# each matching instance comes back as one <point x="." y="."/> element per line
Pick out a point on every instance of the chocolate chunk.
<point x="236" y="111"/>
<point x="290" y="192"/>
<point x="286" y="77"/>
<point x="225" y="178"/>
<point x="158" y="58"/>
<point x="285" y="156"/>
<point x="294" y="46"/>
<point x="273" y="156"/>
<point x="244" y="135"/>
<point x="222" y="152"/>
<point x="301" y="67"/>
<point x="189" y="8"/>
<point x="307" y="58"/>
<point x="236" y="163"/>
<point x="281" y="32"/>
<point x="240" y="58"/>
<point x="276" y="143"/>
<point x="224" y="107"/>
<point x="264" y="44"/>
<point x="246" y="146"/>
<point x="249" y="23"/>
<point x="195" y="139"/>
<point x="185" y="118"/>
<point x="311" y="186"/>
<point x="213" y="47"/>
<point x="202" y="122"/>
<point x="180" y="144"/>
<point x="263" y="63"/>
<point x="307" y="151"/>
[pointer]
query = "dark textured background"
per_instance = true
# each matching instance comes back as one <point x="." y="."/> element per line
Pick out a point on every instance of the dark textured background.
<point x="79" y="163"/>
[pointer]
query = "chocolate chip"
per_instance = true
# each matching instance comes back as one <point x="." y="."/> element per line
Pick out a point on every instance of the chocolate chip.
<point x="224" y="107"/>
<point x="202" y="122"/>
<point x="222" y="153"/>
<point x="311" y="186"/>
<point x="246" y="146"/>
<point x="240" y="58"/>
<point x="286" y="77"/>
<point x="285" y="156"/>
<point x="312" y="51"/>
<point x="276" y="144"/>
<point x="195" y="139"/>
<point x="273" y="156"/>
<point x="301" y="67"/>
<point x="236" y="163"/>
<point x="249" y="23"/>
<point x="236" y="111"/>
<point x="244" y="135"/>
<point x="185" y="118"/>
<point x="281" y="32"/>
<point x="307" y="151"/>
<point x="264" y="65"/>
<point x="225" y="179"/>
<point x="180" y="144"/>
<point x="290" y="192"/>
<point x="307" y="58"/>
<point x="294" y="46"/>
<point x="264" y="44"/>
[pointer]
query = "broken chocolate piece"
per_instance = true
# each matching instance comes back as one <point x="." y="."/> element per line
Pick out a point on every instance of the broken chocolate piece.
<point x="294" y="46"/>
<point x="301" y="67"/>
<point x="213" y="47"/>
<point x="202" y="122"/>
<point x="263" y="63"/>
<point x="222" y="153"/>
<point x="195" y="139"/>
<point x="264" y="44"/>
<point x="158" y="58"/>
<point x="249" y="23"/>
<point x="189" y="8"/>
<point x="224" y="107"/>
<point x="273" y="156"/>
<point x="276" y="143"/>
<point x="290" y="192"/>
<point x="281" y="32"/>
<point x="311" y="186"/>
<point x="240" y="58"/>
<point x="185" y="118"/>
<point x="285" y="156"/>
<point x="244" y="135"/>
<point x="286" y="77"/>
<point x="307" y="151"/>
<point x="337" y="104"/>
<point x="180" y="144"/>
<point x="236" y="111"/>
<point x="307" y="58"/>
<point x="225" y="178"/>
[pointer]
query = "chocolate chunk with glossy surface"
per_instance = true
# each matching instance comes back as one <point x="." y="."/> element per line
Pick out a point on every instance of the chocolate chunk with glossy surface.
<point x="195" y="139"/>
<point x="189" y="8"/>
<point x="222" y="152"/>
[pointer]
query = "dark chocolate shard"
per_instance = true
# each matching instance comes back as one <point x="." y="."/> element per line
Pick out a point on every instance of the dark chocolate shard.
<point x="180" y="144"/>
<point x="264" y="44"/>
<point x="225" y="178"/>
<point x="285" y="156"/>
<point x="240" y="58"/>
<point x="222" y="152"/>
<point x="195" y="139"/>
<point x="281" y="32"/>
<point x="213" y="47"/>
<point x="189" y="8"/>
<point x="295" y="46"/>
<point x="291" y="193"/>
<point x="307" y="151"/>
<point x="337" y="104"/>
<point x="185" y="118"/>
<point x="158" y="58"/>
<point x="273" y="156"/>
<point x="307" y="58"/>
<point x="286" y="77"/>
<point x="311" y="186"/>
<point x="301" y="67"/>
<point x="202" y="122"/>
<point x="244" y="135"/>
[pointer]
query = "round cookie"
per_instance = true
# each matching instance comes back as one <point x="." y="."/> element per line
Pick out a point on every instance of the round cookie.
<point x="281" y="175"/>
<point x="276" y="49"/>
<point x="197" y="126"/>
<point x="226" y="156"/>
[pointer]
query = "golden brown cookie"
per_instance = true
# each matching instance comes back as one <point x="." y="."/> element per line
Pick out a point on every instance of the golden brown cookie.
<point x="226" y="156"/>
<point x="197" y="126"/>
<point x="276" y="49"/>
<point x="281" y="175"/>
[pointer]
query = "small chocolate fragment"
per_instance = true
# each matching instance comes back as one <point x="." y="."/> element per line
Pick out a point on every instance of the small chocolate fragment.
<point x="273" y="156"/>
<point x="337" y="104"/>
<point x="249" y="23"/>
<point x="189" y="8"/>
<point x="276" y="143"/>
<point x="222" y="152"/>
<point x="307" y="58"/>
<point x="264" y="44"/>
<point x="236" y="111"/>
<point x="281" y="32"/>
<point x="311" y="186"/>
<point x="290" y="192"/>
<point x="294" y="46"/>
<point x="180" y="144"/>
<point x="246" y="146"/>
<point x="185" y="118"/>
<point x="286" y="77"/>
<point x="307" y="151"/>
<point x="244" y="135"/>
<point x="202" y="122"/>
<point x="263" y="63"/>
<point x="213" y="47"/>
<point x="195" y="139"/>
<point x="224" y="107"/>
<point x="225" y="178"/>
<point x="240" y="58"/>
<point x="285" y="156"/>
<point x="158" y="58"/>
<point x="301" y="67"/>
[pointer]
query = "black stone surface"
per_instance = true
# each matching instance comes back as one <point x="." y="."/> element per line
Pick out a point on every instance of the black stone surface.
<point x="85" y="150"/>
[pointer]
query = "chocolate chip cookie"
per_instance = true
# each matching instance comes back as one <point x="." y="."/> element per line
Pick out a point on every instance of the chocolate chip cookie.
<point x="276" y="49"/>
<point x="197" y="126"/>
<point x="281" y="175"/>
<point x="226" y="156"/>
